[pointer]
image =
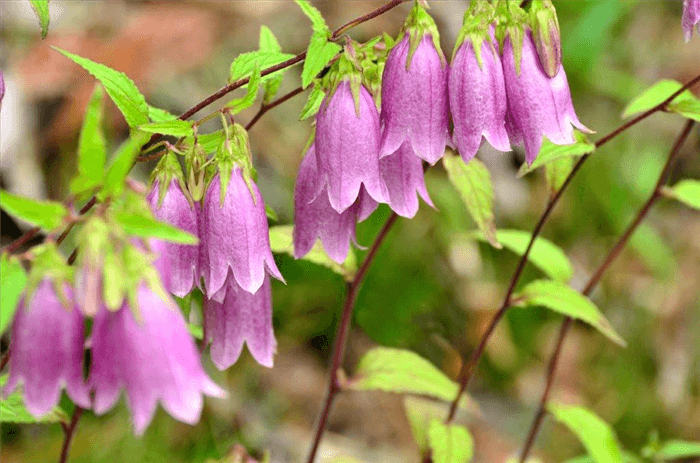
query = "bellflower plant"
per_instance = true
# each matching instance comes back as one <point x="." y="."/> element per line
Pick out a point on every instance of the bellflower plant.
<point x="145" y="348"/>
<point x="241" y="318"/>
<point x="691" y="18"/>
<point x="414" y="91"/>
<point x="538" y="105"/>
<point x="476" y="86"/>
<point x="402" y="172"/>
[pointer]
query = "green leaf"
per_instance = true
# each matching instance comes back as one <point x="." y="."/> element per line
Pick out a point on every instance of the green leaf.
<point x="281" y="241"/>
<point x="313" y="103"/>
<point x="147" y="227"/>
<point x="268" y="41"/>
<point x="627" y="457"/>
<point x="239" y="104"/>
<point x="245" y="63"/>
<point x="48" y="215"/>
<point x="594" y="433"/>
<point x="13" y="279"/>
<point x="12" y="409"/>
<point x="547" y="256"/>
<point x="677" y="449"/>
<point x="121" y="164"/>
<point x="565" y="300"/>
<point x="92" y="146"/>
<point x="655" y="95"/>
<point x="41" y="9"/>
<point x="160" y="115"/>
<point x="119" y="87"/>
<point x="318" y="55"/>
<point x="402" y="371"/>
<point x="687" y="107"/>
<point x="556" y="173"/>
<point x="551" y="152"/>
<point x="686" y="191"/>
<point x="176" y="128"/>
<point x="473" y="183"/>
<point x="196" y="331"/>
<point x="317" y="21"/>
<point x="450" y="443"/>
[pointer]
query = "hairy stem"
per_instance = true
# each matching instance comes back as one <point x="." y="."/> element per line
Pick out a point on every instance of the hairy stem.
<point x="593" y="281"/>
<point x="69" y="432"/>
<point x="469" y="366"/>
<point x="341" y="336"/>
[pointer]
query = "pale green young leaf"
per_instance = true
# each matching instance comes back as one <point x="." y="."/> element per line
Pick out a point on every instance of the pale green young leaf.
<point x="119" y="87"/>
<point x="686" y="191"/>
<point x="547" y="256"/>
<point x="450" y="443"/>
<point x="687" y="107"/>
<point x="551" y="152"/>
<point x="209" y="142"/>
<point x="403" y="372"/>
<point x="655" y="95"/>
<point x="420" y="412"/>
<point x="313" y="103"/>
<point x="176" y="128"/>
<point x="160" y="115"/>
<point x="317" y="21"/>
<point x="121" y="164"/>
<point x="13" y="279"/>
<point x="142" y="225"/>
<point x="595" y="434"/>
<point x="473" y="183"/>
<point x="318" y="55"/>
<point x="268" y="41"/>
<point x="557" y="171"/>
<point x="245" y="63"/>
<point x="41" y="9"/>
<point x="92" y="146"/>
<point x="565" y="300"/>
<point x="239" y="104"/>
<point x="281" y="241"/>
<point x="12" y="409"/>
<point x="677" y="449"/>
<point x="48" y="215"/>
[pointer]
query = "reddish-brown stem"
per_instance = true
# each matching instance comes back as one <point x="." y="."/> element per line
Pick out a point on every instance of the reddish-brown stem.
<point x="266" y="107"/>
<point x="591" y="285"/>
<point x="69" y="432"/>
<point x="341" y="336"/>
<point x="469" y="366"/>
<point x="5" y="358"/>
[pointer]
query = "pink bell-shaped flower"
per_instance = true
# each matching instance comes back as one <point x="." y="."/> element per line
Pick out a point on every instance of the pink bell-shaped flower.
<point x="402" y="172"/>
<point x="691" y="18"/>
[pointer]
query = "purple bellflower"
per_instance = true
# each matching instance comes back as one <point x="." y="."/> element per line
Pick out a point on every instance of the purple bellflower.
<point x="47" y="349"/>
<point x="235" y="235"/>
<point x="173" y="207"/>
<point x="691" y="18"/>
<point x="402" y="172"/>
<point x="414" y="98"/>
<point x="242" y="317"/>
<point x="477" y="96"/>
<point x="347" y="146"/>
<point x="538" y="105"/>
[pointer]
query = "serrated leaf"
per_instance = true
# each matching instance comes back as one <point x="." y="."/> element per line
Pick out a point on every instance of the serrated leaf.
<point x="13" y="279"/>
<point x="686" y="191"/>
<point x="450" y="443"/>
<point x="556" y="173"/>
<point x="677" y="449"/>
<point x="119" y="87"/>
<point x="12" y="409"/>
<point x="121" y="164"/>
<point x="402" y="371"/>
<point x="245" y="63"/>
<point x="551" y="152"/>
<point x="655" y="95"/>
<point x="319" y="53"/>
<point x="313" y="103"/>
<point x="268" y="41"/>
<point x="565" y="300"/>
<point x="160" y="115"/>
<point x="41" y="9"/>
<point x="247" y="101"/>
<point x="48" y="215"/>
<point x="148" y="227"/>
<point x="317" y="21"/>
<point x="176" y="128"/>
<point x="473" y="183"/>
<point x="688" y="107"/>
<point x="547" y="256"/>
<point x="92" y="146"/>
<point x="281" y="241"/>
<point x="594" y="433"/>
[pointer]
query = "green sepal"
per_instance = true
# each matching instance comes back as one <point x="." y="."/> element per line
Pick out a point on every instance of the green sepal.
<point x="475" y="27"/>
<point x="198" y="173"/>
<point x="47" y="262"/>
<point x="511" y="22"/>
<point x="234" y="151"/>
<point x="417" y="25"/>
<point x="167" y="170"/>
<point x="546" y="35"/>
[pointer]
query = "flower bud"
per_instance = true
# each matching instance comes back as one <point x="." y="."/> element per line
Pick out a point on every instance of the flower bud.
<point x="691" y="18"/>
<point x="545" y="32"/>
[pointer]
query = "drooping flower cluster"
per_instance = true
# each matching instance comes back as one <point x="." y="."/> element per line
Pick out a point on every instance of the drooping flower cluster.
<point x="510" y="90"/>
<point x="691" y="18"/>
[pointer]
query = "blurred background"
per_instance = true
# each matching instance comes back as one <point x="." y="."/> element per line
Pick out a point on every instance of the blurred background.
<point x="429" y="290"/>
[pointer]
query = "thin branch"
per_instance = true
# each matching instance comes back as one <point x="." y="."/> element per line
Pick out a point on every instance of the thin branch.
<point x="69" y="432"/>
<point x="5" y="358"/>
<point x="469" y="367"/>
<point x="594" y="280"/>
<point x="341" y="336"/>
<point x="264" y="108"/>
